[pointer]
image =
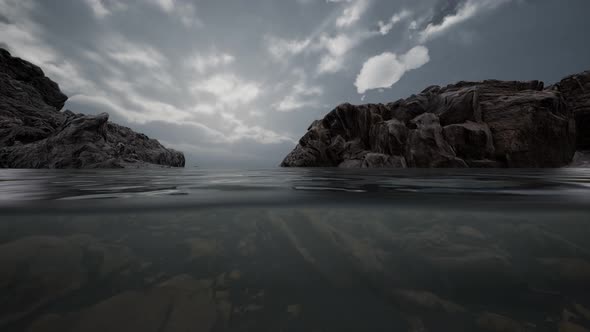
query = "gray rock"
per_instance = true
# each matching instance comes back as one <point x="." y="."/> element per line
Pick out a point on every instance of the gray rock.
<point x="379" y="160"/>
<point x="35" y="134"/>
<point x="576" y="92"/>
<point x="468" y="124"/>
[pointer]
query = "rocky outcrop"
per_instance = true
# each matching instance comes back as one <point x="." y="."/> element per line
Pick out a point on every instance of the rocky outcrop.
<point x="34" y="133"/>
<point x="468" y="124"/>
<point x="576" y="92"/>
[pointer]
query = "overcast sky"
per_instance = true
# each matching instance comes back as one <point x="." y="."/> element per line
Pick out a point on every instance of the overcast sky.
<point x="235" y="83"/>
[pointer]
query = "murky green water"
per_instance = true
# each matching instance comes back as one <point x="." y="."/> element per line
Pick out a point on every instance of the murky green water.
<point x="295" y="250"/>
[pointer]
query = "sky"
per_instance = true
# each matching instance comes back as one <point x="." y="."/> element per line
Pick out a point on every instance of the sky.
<point x="236" y="83"/>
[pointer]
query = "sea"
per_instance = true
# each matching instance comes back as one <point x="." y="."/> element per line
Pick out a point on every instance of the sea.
<point x="295" y="250"/>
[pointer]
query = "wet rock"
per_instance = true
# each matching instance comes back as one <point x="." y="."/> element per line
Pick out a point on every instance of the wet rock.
<point x="294" y="310"/>
<point x="35" y="134"/>
<point x="179" y="304"/>
<point x="583" y="311"/>
<point x="379" y="160"/>
<point x="471" y="232"/>
<point x="200" y="247"/>
<point x="569" y="270"/>
<point x="235" y="275"/>
<point x="497" y="323"/>
<point x="468" y="124"/>
<point x="426" y="300"/>
<point x="569" y="323"/>
<point x="52" y="267"/>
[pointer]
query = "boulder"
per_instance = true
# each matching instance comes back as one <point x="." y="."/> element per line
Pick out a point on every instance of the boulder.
<point x="468" y="124"/>
<point x="34" y="133"/>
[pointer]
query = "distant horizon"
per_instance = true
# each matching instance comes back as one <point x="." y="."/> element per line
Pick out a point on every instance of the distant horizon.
<point x="235" y="85"/>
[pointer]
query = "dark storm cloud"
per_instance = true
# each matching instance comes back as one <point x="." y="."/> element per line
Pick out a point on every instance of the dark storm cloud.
<point x="236" y="83"/>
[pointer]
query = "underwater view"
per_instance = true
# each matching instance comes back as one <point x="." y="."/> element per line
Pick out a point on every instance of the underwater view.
<point x="295" y="250"/>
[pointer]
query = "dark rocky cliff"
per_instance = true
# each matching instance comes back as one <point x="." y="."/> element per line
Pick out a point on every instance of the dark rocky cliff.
<point x="34" y="133"/>
<point x="468" y="124"/>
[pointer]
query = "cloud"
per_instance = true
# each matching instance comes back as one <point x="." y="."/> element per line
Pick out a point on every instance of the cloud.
<point x="337" y="48"/>
<point x="280" y="48"/>
<point x="352" y="13"/>
<point x="184" y="10"/>
<point x="103" y="8"/>
<point x="386" y="69"/>
<point x="385" y="28"/>
<point x="257" y="133"/>
<point x="203" y="63"/>
<point x="98" y="8"/>
<point x="228" y="89"/>
<point x="457" y="13"/>
<point x="300" y="95"/>
<point x="24" y="37"/>
<point x="165" y="5"/>
<point x="128" y="53"/>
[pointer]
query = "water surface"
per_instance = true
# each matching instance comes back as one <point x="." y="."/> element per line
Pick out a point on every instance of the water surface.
<point x="295" y="250"/>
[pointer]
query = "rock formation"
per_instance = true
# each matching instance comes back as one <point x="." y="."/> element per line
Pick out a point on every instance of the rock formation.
<point x="468" y="124"/>
<point x="576" y="92"/>
<point x="34" y="133"/>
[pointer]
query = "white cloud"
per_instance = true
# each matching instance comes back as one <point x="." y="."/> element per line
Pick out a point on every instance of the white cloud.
<point x="279" y="48"/>
<point x="352" y="13"/>
<point x="184" y="10"/>
<point x="104" y="8"/>
<point x="301" y="96"/>
<point x="228" y="89"/>
<point x="242" y="131"/>
<point x="24" y="37"/>
<point x="386" y="69"/>
<point x="297" y="93"/>
<point x="385" y="28"/>
<point x="98" y="8"/>
<point x="330" y="64"/>
<point x="337" y="48"/>
<point x="467" y="10"/>
<point x="338" y="45"/>
<point x="128" y="53"/>
<point x="165" y="5"/>
<point x="187" y="13"/>
<point x="203" y="63"/>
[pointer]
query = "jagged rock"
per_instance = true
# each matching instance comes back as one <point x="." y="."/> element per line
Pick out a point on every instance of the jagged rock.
<point x="35" y="134"/>
<point x="468" y="124"/>
<point x="31" y="75"/>
<point x="576" y="92"/>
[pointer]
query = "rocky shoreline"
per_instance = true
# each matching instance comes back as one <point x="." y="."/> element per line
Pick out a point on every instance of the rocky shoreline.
<point x="469" y="124"/>
<point x="35" y="133"/>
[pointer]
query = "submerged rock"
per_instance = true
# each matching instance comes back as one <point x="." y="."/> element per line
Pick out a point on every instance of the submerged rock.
<point x="34" y="133"/>
<point x="468" y="124"/>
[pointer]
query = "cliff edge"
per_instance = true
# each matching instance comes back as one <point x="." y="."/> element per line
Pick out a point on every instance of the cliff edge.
<point x="35" y="133"/>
